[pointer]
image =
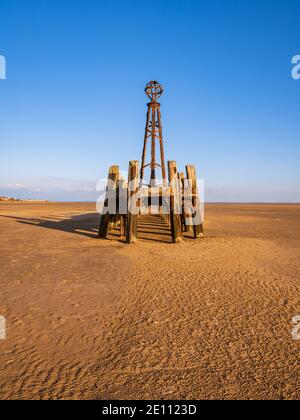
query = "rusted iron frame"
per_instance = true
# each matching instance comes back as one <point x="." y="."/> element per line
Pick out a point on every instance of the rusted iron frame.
<point x="153" y="130"/>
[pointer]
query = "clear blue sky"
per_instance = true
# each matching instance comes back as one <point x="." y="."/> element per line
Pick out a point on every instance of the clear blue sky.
<point x="73" y="102"/>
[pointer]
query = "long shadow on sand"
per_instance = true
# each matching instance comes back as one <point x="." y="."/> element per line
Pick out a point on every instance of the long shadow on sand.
<point x="150" y="228"/>
<point x="85" y="224"/>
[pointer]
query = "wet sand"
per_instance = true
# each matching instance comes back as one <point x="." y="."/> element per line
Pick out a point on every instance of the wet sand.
<point x="90" y="318"/>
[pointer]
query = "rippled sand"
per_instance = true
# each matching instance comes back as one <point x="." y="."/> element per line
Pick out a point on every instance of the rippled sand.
<point x="90" y="318"/>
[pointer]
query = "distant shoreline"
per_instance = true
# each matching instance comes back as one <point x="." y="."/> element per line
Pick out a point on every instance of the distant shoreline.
<point x="10" y="201"/>
<point x="225" y="203"/>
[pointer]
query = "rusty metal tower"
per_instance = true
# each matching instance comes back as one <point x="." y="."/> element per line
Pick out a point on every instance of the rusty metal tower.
<point x="178" y="195"/>
<point x="153" y="132"/>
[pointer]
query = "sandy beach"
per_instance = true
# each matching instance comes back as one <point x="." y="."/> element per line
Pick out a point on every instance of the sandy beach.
<point x="98" y="319"/>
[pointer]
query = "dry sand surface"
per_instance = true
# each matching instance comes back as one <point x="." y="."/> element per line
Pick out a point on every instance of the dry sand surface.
<point x="90" y="318"/>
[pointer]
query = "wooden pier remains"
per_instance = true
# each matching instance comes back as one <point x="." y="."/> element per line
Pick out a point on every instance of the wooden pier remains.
<point x="176" y="199"/>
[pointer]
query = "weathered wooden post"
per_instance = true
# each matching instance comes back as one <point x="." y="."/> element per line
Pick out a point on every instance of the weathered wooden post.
<point x="187" y="205"/>
<point x="197" y="216"/>
<point x="122" y="206"/>
<point x="181" y="181"/>
<point x="174" y="203"/>
<point x="133" y="187"/>
<point x="122" y="227"/>
<point x="113" y="179"/>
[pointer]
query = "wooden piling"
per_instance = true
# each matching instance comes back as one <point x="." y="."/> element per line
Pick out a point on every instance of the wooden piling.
<point x="133" y="186"/>
<point x="181" y="181"/>
<point x="106" y="218"/>
<point x="174" y="216"/>
<point x="187" y="204"/>
<point x="122" y="227"/>
<point x="192" y="177"/>
<point x="122" y="207"/>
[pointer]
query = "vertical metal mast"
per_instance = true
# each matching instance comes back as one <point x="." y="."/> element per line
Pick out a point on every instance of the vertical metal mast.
<point x="154" y="131"/>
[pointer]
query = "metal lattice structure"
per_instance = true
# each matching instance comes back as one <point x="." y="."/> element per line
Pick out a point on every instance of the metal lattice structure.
<point x="177" y="199"/>
<point x="153" y="133"/>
